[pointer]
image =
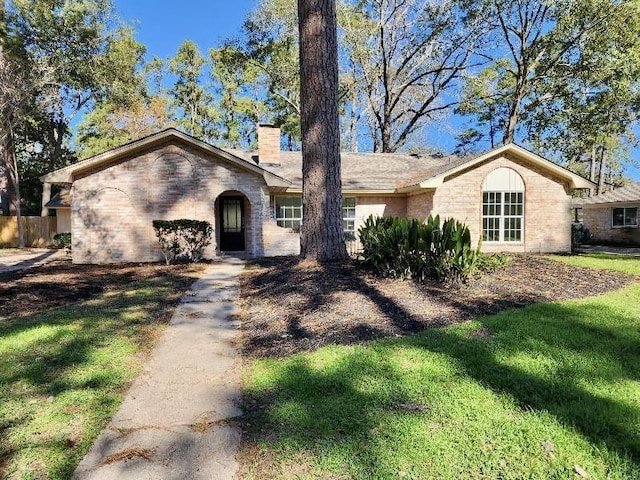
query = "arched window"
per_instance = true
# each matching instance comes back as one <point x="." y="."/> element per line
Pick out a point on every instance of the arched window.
<point x="503" y="206"/>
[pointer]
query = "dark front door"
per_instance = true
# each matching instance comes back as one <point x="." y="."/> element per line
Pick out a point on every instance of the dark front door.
<point x="232" y="224"/>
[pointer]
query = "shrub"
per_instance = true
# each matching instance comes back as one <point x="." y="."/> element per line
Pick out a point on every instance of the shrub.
<point x="183" y="238"/>
<point x="409" y="248"/>
<point x="63" y="240"/>
<point x="579" y="235"/>
<point x="490" y="262"/>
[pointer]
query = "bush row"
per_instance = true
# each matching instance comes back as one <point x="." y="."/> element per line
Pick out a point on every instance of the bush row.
<point x="409" y="248"/>
<point x="183" y="239"/>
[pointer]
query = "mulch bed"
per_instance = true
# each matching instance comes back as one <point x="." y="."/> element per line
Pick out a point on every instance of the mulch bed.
<point x="60" y="283"/>
<point x="290" y="306"/>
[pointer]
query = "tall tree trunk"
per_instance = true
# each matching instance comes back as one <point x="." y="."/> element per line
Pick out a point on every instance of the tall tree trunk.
<point x="353" y="124"/>
<point x="321" y="238"/>
<point x="492" y="129"/>
<point x="592" y="168"/>
<point x="11" y="157"/>
<point x="603" y="170"/>
<point x="59" y="129"/>
<point x="5" y="188"/>
<point x="10" y="165"/>
<point x="514" y="113"/>
<point x="7" y="117"/>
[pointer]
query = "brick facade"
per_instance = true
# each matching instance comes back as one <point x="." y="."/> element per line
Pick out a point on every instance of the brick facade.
<point x="599" y="220"/>
<point x="115" y="203"/>
<point x="547" y="206"/>
<point x="113" y="208"/>
<point x="380" y="206"/>
<point x="420" y="206"/>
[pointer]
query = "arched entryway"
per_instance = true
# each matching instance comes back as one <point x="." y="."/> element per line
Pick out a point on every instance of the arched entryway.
<point x="232" y="214"/>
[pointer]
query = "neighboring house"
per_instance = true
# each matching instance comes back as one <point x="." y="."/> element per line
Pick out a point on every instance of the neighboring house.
<point x="613" y="216"/>
<point x="514" y="200"/>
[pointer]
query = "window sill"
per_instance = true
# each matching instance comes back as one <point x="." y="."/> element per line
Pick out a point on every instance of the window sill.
<point x="487" y="242"/>
<point x="625" y="227"/>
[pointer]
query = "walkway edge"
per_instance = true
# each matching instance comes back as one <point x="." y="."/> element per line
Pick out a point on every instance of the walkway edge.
<point x="177" y="419"/>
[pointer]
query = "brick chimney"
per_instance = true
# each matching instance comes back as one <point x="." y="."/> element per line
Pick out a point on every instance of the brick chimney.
<point x="268" y="143"/>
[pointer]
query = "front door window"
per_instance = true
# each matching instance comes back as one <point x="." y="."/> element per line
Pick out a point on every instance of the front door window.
<point x="232" y="224"/>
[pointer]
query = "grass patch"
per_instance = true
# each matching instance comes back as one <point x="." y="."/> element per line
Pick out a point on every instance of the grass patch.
<point x="541" y="392"/>
<point x="64" y="370"/>
<point x="602" y="261"/>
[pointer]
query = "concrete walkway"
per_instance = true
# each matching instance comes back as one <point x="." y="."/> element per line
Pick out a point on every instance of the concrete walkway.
<point x="20" y="260"/>
<point x="176" y="421"/>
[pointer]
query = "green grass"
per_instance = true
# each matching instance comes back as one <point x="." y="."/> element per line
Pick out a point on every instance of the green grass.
<point x="528" y="393"/>
<point x="602" y="261"/>
<point x="63" y="372"/>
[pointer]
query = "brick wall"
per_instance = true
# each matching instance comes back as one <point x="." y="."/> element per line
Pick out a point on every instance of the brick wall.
<point x="113" y="208"/>
<point x="268" y="144"/>
<point x="381" y="206"/>
<point x="547" y="209"/>
<point x="282" y="241"/>
<point x="598" y="219"/>
<point x="420" y="206"/>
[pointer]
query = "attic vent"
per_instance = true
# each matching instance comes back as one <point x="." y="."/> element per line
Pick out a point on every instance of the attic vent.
<point x="270" y="164"/>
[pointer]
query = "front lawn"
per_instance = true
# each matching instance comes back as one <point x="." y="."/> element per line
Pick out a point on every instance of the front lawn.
<point x="64" y="369"/>
<point x="603" y="261"/>
<point x="546" y="391"/>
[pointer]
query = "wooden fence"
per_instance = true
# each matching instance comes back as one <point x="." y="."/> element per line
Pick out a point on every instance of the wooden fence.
<point x="38" y="231"/>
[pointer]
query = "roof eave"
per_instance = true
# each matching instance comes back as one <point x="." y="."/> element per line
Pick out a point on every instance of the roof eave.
<point x="346" y="191"/>
<point x="274" y="181"/>
<point x="609" y="203"/>
<point x="575" y="181"/>
<point x="67" y="174"/>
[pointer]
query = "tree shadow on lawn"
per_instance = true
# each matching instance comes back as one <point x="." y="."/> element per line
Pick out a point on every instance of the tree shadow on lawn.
<point x="292" y="307"/>
<point x="327" y="409"/>
<point x="76" y="353"/>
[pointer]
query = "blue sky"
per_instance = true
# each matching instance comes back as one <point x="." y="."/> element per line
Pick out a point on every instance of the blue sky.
<point x="162" y="26"/>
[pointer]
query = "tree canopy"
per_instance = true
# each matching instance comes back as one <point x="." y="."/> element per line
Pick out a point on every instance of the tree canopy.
<point x="561" y="77"/>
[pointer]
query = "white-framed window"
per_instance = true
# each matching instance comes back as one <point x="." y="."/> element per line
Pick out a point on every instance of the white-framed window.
<point x="624" y="217"/>
<point x="503" y="206"/>
<point x="289" y="212"/>
<point x="349" y="216"/>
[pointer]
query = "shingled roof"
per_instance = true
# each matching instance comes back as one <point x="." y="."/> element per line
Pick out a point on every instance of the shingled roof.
<point x="386" y="172"/>
<point x="62" y="199"/>
<point x="366" y="171"/>
<point x="630" y="193"/>
<point x="373" y="173"/>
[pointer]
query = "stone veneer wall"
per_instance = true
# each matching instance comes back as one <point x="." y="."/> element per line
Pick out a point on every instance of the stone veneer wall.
<point x="113" y="208"/>
<point x="547" y="209"/>
<point x="598" y="219"/>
